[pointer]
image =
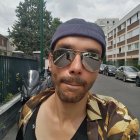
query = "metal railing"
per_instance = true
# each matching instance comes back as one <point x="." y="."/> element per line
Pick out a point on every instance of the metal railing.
<point x="12" y="69"/>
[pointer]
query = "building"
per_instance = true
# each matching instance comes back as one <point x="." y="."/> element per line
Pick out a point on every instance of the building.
<point x="5" y="47"/>
<point x="123" y="40"/>
<point x="3" y="44"/>
<point x="106" y="23"/>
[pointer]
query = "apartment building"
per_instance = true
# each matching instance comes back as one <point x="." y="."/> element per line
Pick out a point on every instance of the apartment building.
<point x="123" y="40"/>
<point x="106" y="23"/>
<point x="3" y="44"/>
<point x="5" y="47"/>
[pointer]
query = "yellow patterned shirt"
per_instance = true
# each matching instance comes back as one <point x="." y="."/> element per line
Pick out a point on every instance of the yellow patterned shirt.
<point x="107" y="119"/>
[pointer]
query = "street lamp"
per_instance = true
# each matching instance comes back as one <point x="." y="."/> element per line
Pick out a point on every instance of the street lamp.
<point x="41" y="35"/>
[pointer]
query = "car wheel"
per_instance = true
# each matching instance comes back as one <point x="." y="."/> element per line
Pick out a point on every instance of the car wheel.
<point x="137" y="82"/>
<point x="124" y="78"/>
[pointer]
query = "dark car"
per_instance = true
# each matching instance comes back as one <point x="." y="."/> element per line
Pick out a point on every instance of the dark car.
<point x="102" y="68"/>
<point x="138" y="79"/>
<point x="126" y="73"/>
<point x="109" y="70"/>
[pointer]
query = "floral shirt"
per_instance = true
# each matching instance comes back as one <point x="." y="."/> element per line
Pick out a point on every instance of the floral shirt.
<point x="107" y="119"/>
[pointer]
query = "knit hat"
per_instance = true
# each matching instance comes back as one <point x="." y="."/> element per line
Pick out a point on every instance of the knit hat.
<point x="80" y="27"/>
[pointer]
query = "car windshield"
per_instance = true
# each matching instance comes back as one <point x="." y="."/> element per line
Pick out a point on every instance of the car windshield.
<point x="112" y="67"/>
<point x="131" y="69"/>
<point x="103" y="65"/>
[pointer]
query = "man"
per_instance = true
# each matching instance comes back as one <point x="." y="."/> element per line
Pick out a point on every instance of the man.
<point x="70" y="111"/>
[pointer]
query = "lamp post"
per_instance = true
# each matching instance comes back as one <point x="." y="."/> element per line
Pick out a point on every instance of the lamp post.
<point x="41" y="36"/>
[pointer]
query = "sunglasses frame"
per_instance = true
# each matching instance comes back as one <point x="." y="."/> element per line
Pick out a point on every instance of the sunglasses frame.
<point x="98" y="58"/>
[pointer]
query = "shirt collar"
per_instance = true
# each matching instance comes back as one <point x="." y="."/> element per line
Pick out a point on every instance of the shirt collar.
<point x="93" y="111"/>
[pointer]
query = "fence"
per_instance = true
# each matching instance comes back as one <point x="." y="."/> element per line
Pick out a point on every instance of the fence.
<point x="12" y="69"/>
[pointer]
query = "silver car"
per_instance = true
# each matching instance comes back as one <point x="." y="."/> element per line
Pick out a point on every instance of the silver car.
<point x="102" y="68"/>
<point x="126" y="73"/>
<point x="138" y="79"/>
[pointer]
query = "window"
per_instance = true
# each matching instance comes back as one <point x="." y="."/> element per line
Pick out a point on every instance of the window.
<point x="123" y="26"/>
<point x="123" y="49"/>
<point x="114" y="31"/>
<point x="129" y="35"/>
<point x="129" y="47"/>
<point x="138" y="15"/>
<point x="2" y="42"/>
<point x="133" y="33"/>
<point x="119" y="50"/>
<point x="128" y="22"/>
<point x="109" y="43"/>
<point x="136" y="32"/>
<point x="114" y="41"/>
<point x="122" y="38"/>
<point x="134" y="18"/>
<point x="110" y="34"/>
<point x="119" y="28"/>
<point x="136" y="46"/>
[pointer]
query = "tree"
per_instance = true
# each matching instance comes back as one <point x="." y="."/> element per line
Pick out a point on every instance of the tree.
<point x="26" y="30"/>
<point x="54" y="24"/>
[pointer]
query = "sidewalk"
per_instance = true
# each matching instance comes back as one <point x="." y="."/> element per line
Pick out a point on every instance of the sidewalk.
<point x="8" y="116"/>
<point x="11" y="135"/>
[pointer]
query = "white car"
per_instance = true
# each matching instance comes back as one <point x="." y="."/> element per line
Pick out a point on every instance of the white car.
<point x="126" y="73"/>
<point x="138" y="79"/>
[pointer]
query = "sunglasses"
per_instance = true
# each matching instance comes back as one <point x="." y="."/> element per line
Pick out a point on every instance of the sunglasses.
<point x="64" y="57"/>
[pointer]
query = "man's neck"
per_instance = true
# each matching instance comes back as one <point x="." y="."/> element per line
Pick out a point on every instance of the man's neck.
<point x="68" y="111"/>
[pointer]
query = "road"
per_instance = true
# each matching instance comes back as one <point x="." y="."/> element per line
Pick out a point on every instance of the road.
<point x="126" y="92"/>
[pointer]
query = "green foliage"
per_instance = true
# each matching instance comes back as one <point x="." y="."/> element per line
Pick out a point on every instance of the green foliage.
<point x="2" y="125"/>
<point x="8" y="97"/>
<point x="26" y="30"/>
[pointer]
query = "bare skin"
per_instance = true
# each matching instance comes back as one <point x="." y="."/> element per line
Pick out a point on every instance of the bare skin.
<point x="61" y="114"/>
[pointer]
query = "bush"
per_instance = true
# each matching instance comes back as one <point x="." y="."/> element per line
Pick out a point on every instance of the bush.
<point x="8" y="97"/>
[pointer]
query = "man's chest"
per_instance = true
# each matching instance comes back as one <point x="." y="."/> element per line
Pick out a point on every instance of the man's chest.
<point x="47" y="129"/>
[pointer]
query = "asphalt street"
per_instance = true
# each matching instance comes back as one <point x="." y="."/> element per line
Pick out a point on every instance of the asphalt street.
<point x="125" y="92"/>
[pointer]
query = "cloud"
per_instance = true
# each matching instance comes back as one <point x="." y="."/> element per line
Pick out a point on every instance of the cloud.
<point x="66" y="9"/>
<point x="7" y="14"/>
<point x="89" y="9"/>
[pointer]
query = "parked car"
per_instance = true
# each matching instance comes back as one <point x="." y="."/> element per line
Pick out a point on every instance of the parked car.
<point x="138" y="79"/>
<point x="126" y="73"/>
<point x="110" y="70"/>
<point x="102" y="68"/>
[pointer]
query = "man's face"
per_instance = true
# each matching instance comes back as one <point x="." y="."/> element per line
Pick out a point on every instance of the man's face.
<point x="73" y="81"/>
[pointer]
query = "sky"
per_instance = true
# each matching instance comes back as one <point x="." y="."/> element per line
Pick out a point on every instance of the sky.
<point x="90" y="10"/>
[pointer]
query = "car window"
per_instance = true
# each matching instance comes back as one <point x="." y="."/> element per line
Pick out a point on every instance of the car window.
<point x="131" y="69"/>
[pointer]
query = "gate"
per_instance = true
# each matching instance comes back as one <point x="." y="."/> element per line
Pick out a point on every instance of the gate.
<point x="12" y="69"/>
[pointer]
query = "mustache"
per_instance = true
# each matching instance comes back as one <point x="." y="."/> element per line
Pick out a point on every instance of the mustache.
<point x="76" y="80"/>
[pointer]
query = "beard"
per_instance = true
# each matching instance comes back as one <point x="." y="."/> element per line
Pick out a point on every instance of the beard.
<point x="71" y="95"/>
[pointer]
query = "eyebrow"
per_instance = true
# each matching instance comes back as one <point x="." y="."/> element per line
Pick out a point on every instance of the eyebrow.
<point x="65" y="46"/>
<point x="69" y="46"/>
<point x="93" y="50"/>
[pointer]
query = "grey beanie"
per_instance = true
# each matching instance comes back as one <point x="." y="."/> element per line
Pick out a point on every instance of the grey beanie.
<point x="80" y="27"/>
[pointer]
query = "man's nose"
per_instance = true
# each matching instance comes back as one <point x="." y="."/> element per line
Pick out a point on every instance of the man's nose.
<point x="76" y="66"/>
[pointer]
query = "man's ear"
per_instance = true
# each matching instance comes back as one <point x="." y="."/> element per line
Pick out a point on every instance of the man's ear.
<point x="50" y="61"/>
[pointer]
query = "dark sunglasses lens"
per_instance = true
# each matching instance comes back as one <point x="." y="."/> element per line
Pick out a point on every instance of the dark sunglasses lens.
<point x="63" y="57"/>
<point x="91" y="62"/>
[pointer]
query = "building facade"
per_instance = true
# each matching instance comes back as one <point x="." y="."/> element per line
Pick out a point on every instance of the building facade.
<point x="106" y="23"/>
<point x="123" y="40"/>
<point x="5" y="46"/>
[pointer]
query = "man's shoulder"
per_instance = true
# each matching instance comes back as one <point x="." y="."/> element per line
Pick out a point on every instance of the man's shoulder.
<point x="32" y="104"/>
<point x="115" y="116"/>
<point x="112" y="106"/>
<point x="106" y="100"/>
